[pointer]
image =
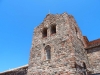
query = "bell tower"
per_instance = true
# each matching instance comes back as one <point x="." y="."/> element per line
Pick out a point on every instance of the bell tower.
<point x="58" y="47"/>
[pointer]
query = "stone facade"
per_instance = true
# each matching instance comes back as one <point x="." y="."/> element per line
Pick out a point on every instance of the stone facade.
<point x="59" y="48"/>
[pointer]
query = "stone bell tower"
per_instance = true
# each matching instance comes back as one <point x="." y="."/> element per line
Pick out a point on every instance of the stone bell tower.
<point x="58" y="47"/>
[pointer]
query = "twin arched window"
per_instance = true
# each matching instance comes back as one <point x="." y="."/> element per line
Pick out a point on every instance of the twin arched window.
<point x="52" y="30"/>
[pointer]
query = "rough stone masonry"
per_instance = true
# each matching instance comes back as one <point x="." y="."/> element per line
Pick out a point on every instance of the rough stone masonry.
<point x="59" y="48"/>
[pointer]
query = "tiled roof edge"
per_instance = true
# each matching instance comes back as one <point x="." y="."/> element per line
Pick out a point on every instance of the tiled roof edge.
<point x="14" y="69"/>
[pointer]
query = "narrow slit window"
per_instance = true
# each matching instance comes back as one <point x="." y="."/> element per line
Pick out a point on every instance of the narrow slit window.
<point x="48" y="52"/>
<point x="84" y="66"/>
<point x="53" y="29"/>
<point x="76" y="30"/>
<point x="44" y="33"/>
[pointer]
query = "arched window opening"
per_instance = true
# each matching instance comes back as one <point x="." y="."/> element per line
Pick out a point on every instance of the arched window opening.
<point x="53" y="29"/>
<point x="48" y="52"/>
<point x="44" y="33"/>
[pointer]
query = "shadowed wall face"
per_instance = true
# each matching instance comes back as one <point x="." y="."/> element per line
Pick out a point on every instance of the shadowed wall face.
<point x="94" y="58"/>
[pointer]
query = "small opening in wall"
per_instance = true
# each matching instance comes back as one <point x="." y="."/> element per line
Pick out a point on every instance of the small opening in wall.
<point x="44" y="33"/>
<point x="84" y="66"/>
<point x="48" y="52"/>
<point x="76" y="30"/>
<point x="53" y="29"/>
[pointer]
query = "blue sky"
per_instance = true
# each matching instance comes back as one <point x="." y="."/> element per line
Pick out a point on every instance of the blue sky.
<point x="18" y="18"/>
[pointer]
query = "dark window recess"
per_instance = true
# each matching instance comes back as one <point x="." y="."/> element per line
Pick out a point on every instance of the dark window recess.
<point x="76" y="30"/>
<point x="48" y="52"/>
<point x="84" y="66"/>
<point x="44" y="33"/>
<point x="53" y="29"/>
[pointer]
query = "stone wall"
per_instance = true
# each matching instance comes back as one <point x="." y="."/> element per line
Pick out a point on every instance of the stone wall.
<point x="18" y="71"/>
<point x="94" y="58"/>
